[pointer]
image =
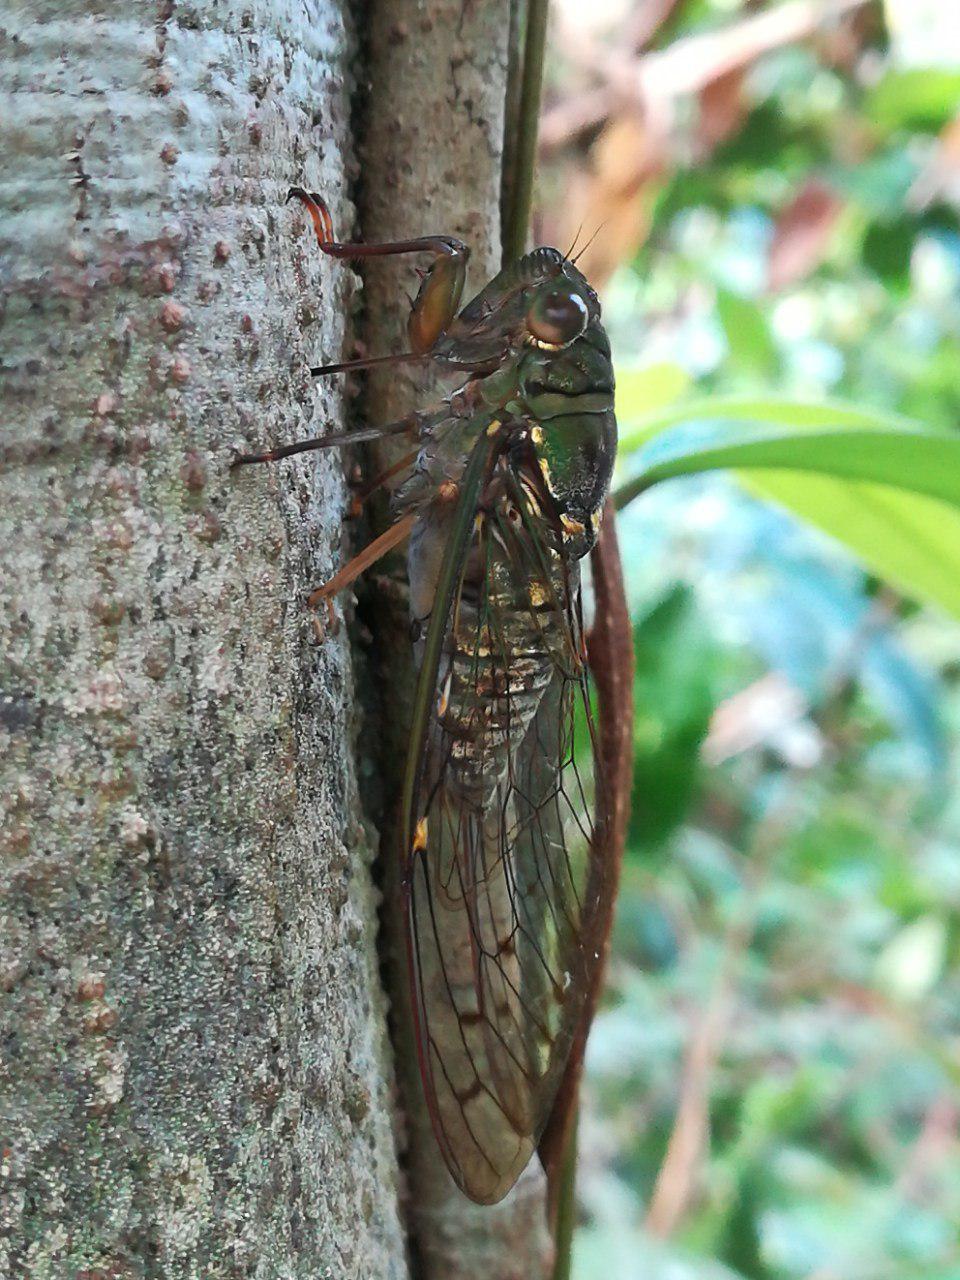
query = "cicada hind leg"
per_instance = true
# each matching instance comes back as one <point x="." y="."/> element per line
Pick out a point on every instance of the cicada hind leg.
<point x="374" y="551"/>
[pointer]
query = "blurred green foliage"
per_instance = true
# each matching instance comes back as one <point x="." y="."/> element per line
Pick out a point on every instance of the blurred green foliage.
<point x="773" y="1085"/>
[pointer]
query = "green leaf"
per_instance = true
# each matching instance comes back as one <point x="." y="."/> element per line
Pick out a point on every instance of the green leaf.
<point x="908" y="540"/>
<point x="752" y="348"/>
<point x="921" y="98"/>
<point x="880" y="184"/>
<point x="913" y="960"/>
<point x="773" y="410"/>
<point x="887" y="247"/>
<point x="921" y="462"/>
<point x="647" y="389"/>
<point x="887" y="489"/>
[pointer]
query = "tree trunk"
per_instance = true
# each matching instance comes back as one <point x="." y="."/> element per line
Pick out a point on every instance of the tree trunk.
<point x="196" y="1077"/>
<point x="432" y="138"/>
<point x="196" y="1074"/>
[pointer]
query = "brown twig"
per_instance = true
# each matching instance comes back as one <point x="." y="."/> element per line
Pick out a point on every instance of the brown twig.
<point x="689" y="65"/>
<point x="611" y="662"/>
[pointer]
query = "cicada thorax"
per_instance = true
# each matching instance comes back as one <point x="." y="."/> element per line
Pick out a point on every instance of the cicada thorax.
<point x="568" y="395"/>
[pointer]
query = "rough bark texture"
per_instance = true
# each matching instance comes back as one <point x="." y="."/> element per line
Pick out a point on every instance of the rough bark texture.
<point x="195" y="1076"/>
<point x="432" y="142"/>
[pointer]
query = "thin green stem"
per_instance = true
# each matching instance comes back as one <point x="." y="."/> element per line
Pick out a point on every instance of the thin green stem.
<point x="626" y="493"/>
<point x="520" y="149"/>
<point x="566" y="1208"/>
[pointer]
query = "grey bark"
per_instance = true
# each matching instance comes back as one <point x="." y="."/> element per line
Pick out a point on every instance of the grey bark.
<point x="195" y="1072"/>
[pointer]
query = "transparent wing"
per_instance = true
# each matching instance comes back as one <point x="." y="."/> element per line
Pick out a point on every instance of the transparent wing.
<point x="504" y="891"/>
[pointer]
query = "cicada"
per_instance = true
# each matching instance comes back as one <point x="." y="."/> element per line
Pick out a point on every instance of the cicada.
<point x="504" y="804"/>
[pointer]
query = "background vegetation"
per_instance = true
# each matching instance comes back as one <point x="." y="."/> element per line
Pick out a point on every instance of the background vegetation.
<point x="773" y="1078"/>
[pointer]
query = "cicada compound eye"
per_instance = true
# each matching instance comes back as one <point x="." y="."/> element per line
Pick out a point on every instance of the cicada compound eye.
<point x="557" y="316"/>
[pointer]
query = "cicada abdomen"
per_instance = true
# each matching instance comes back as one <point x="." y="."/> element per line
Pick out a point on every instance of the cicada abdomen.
<point x="501" y="885"/>
<point x="503" y="804"/>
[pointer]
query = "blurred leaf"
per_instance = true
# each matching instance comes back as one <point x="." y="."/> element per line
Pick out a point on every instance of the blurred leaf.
<point x="917" y="99"/>
<point x="673" y="700"/>
<point x="723" y="109"/>
<point x="751" y="344"/>
<point x="887" y="247"/>
<point x="615" y="190"/>
<point x="643" y="932"/>
<point x="940" y="176"/>
<point x="909" y="540"/>
<point x="909" y="965"/>
<point x="739" y="1245"/>
<point x="647" y="389"/>
<point x="613" y="1252"/>
<point x="880" y="183"/>
<point x="777" y="411"/>
<point x="890" y="493"/>
<point x="802" y="234"/>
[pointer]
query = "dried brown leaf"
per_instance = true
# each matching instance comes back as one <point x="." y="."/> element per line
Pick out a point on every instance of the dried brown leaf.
<point x="802" y="234"/>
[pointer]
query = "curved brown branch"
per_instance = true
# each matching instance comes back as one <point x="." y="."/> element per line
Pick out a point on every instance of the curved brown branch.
<point x="611" y="662"/>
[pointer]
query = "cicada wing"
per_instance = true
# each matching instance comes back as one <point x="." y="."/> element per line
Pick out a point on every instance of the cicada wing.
<point x="503" y="890"/>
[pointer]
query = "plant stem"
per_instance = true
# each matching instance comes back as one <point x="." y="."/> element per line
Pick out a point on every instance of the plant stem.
<point x="521" y="138"/>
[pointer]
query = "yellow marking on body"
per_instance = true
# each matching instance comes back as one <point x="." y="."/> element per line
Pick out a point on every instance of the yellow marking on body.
<point x="541" y="345"/>
<point x="595" y="519"/>
<point x="545" y="472"/>
<point x="420" y="837"/>
<point x="443" y="701"/>
<point x="537" y="593"/>
<point x="571" y="527"/>
<point x="536" y="435"/>
<point x="533" y="500"/>
<point x="494" y="427"/>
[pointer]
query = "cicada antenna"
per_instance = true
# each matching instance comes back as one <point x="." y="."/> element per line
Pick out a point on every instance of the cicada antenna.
<point x="574" y="245"/>
<point x="589" y="242"/>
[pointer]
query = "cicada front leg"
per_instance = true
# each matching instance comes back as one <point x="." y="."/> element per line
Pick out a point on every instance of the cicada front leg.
<point x="433" y="309"/>
<point x="439" y="295"/>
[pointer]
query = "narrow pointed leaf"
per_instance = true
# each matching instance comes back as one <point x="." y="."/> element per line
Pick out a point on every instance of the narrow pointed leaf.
<point x="887" y="489"/>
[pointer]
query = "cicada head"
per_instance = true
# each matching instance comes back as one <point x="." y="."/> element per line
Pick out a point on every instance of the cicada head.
<point x="566" y="382"/>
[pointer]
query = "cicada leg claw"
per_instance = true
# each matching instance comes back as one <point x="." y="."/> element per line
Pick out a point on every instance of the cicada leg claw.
<point x="441" y="284"/>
